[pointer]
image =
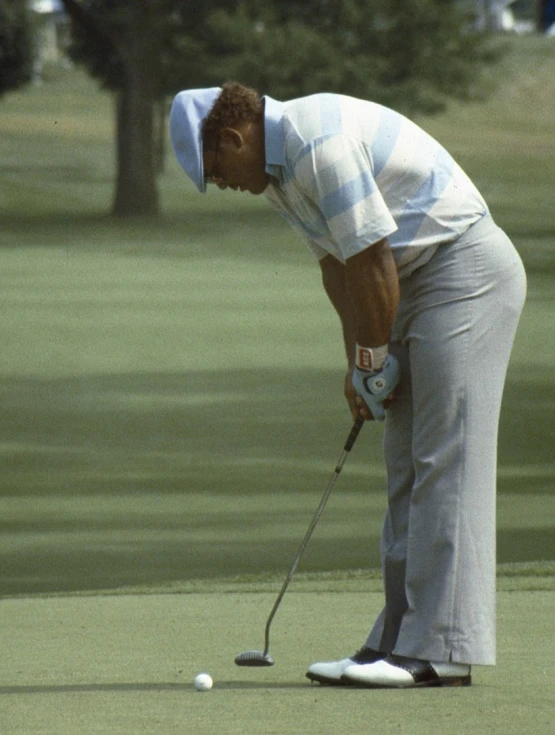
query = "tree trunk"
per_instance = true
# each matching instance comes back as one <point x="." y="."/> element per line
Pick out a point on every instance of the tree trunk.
<point x="161" y="122"/>
<point x="136" y="192"/>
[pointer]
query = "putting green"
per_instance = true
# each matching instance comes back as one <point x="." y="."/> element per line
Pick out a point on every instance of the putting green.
<point x="124" y="665"/>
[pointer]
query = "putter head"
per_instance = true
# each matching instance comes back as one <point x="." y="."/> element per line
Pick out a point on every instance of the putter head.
<point x="254" y="658"/>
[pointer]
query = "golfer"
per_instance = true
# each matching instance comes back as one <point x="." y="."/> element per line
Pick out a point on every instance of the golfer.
<point x="429" y="291"/>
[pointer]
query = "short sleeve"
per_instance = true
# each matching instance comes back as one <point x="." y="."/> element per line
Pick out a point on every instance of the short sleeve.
<point x="336" y="173"/>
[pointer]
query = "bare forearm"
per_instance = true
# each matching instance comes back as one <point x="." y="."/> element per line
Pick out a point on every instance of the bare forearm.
<point x="333" y="277"/>
<point x="365" y="294"/>
<point x="372" y="285"/>
<point x="349" y="337"/>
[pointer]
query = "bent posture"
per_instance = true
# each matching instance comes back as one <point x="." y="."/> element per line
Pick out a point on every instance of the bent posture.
<point x="429" y="291"/>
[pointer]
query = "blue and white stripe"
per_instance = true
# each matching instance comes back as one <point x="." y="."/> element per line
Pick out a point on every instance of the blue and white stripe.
<point x="349" y="173"/>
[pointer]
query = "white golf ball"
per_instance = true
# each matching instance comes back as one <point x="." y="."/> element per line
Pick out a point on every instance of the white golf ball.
<point x="203" y="682"/>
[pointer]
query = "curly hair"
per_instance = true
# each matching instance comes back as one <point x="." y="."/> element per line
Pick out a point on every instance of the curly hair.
<point x="235" y="104"/>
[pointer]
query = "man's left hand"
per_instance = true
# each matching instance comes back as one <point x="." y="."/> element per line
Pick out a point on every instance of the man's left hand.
<point x="376" y="387"/>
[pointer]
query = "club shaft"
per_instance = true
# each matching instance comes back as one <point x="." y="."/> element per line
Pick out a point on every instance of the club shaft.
<point x="357" y="426"/>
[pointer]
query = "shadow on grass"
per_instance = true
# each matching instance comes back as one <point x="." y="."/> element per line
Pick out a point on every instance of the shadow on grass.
<point x="129" y="479"/>
<point x="224" y="227"/>
<point x="145" y="687"/>
<point x="134" y="479"/>
<point x="112" y="433"/>
<point x="68" y="564"/>
<point x="257" y="233"/>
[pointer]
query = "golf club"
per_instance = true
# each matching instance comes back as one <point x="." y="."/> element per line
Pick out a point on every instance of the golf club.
<point x="263" y="658"/>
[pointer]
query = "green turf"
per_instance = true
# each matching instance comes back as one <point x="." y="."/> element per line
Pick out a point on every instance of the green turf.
<point x="166" y="437"/>
<point x="124" y="665"/>
<point x="162" y="415"/>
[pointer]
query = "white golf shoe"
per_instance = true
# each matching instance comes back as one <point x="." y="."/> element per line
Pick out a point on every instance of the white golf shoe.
<point x="400" y="672"/>
<point x="330" y="672"/>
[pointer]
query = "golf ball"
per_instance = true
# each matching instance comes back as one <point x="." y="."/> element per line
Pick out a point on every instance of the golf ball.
<point x="203" y="682"/>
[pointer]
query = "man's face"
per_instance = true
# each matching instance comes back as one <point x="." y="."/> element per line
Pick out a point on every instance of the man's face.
<point x="238" y="161"/>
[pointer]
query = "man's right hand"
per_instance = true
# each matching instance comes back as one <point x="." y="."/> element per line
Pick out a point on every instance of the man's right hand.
<point x="352" y="397"/>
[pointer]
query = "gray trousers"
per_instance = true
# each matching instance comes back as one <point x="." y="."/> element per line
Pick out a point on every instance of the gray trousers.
<point x="453" y="336"/>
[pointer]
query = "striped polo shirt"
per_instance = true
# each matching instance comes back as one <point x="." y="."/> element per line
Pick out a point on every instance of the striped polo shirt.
<point x="347" y="173"/>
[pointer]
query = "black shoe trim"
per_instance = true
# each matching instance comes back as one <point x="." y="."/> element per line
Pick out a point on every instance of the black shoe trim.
<point x="422" y="672"/>
<point x="367" y="656"/>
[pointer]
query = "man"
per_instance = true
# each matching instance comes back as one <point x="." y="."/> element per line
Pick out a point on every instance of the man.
<point x="429" y="292"/>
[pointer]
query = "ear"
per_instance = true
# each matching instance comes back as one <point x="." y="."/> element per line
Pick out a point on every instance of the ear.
<point x="231" y="139"/>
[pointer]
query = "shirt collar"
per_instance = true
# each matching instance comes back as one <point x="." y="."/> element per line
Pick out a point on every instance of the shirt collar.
<point x="275" y="138"/>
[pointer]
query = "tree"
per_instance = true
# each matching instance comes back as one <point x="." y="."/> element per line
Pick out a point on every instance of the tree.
<point x="16" y="53"/>
<point x="411" y="54"/>
<point x="132" y="48"/>
<point x="117" y="47"/>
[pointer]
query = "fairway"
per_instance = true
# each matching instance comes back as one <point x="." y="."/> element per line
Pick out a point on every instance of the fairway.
<point x="171" y="411"/>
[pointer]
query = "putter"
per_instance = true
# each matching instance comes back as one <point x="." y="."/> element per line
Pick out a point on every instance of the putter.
<point x="263" y="658"/>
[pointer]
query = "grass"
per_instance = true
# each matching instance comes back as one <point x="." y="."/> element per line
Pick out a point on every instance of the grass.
<point x="122" y="665"/>
<point x="162" y="418"/>
<point x="165" y="439"/>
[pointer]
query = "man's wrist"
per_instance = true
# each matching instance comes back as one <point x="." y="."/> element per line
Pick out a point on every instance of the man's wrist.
<point x="370" y="359"/>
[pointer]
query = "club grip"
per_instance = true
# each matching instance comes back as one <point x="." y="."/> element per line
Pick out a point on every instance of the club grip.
<point x="357" y="426"/>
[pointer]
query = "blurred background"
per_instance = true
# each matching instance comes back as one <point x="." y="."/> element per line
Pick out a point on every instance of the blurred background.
<point x="170" y="369"/>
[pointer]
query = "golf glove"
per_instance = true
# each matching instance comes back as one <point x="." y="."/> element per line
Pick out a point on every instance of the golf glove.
<point x="375" y="386"/>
